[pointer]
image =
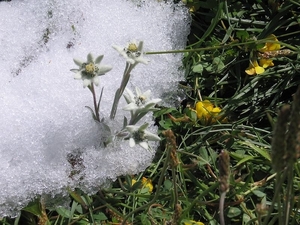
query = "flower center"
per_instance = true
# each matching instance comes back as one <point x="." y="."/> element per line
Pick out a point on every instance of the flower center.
<point x="138" y="136"/>
<point x="140" y="100"/>
<point x="132" y="51"/>
<point x="90" y="68"/>
<point x="132" y="47"/>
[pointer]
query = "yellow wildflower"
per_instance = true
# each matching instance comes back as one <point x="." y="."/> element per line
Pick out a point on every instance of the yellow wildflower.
<point x="254" y="68"/>
<point x="265" y="63"/>
<point x="269" y="47"/>
<point x="146" y="183"/>
<point x="206" y="112"/>
<point x="192" y="222"/>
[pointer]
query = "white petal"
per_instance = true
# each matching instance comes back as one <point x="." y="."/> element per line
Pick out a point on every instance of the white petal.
<point x="144" y="144"/>
<point x="90" y="58"/>
<point x="131" y="106"/>
<point x="131" y="142"/>
<point x="142" y="60"/>
<point x="140" y="47"/>
<point x="96" y="80"/>
<point x="99" y="59"/>
<point x="129" y="96"/>
<point x="86" y="82"/>
<point x="129" y="60"/>
<point x="119" y="49"/>
<point x="78" y="62"/>
<point x="151" y="137"/>
<point x="144" y="127"/>
<point x="138" y="91"/>
<point x="104" y="69"/>
<point x="78" y="75"/>
<point x="132" y="128"/>
<point x="147" y="94"/>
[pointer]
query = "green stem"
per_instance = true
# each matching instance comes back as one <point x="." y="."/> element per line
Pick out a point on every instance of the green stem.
<point x="92" y="89"/>
<point x="121" y="89"/>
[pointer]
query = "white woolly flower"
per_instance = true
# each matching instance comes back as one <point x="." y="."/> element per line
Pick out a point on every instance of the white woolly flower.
<point x="90" y="70"/>
<point x="139" y="102"/>
<point x="140" y="136"/>
<point x="132" y="53"/>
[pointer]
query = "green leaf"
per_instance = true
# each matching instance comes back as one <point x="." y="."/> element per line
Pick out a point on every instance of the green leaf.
<point x="233" y="212"/>
<point x="218" y="64"/>
<point x="145" y="220"/>
<point x="242" y="35"/>
<point x="198" y="68"/>
<point x="100" y="216"/>
<point x="259" y="193"/>
<point x="168" y="184"/>
<point x="66" y="213"/>
<point x="34" y="208"/>
<point x="77" y="198"/>
<point x="245" y="159"/>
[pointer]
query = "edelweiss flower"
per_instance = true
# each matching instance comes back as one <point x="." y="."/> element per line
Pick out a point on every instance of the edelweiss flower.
<point x="90" y="70"/>
<point x="140" y="102"/>
<point x="140" y="136"/>
<point x="132" y="53"/>
<point x="254" y="68"/>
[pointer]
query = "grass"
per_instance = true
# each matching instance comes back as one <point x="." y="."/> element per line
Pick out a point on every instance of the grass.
<point x="236" y="166"/>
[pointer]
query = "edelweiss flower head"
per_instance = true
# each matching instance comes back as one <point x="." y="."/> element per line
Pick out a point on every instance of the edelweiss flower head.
<point x="140" y="136"/>
<point x="254" y="68"/>
<point x="140" y="102"/>
<point x="133" y="53"/>
<point x="90" y="70"/>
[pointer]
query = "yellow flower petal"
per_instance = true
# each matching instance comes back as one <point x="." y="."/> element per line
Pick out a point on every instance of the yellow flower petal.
<point x="147" y="183"/>
<point x="265" y="63"/>
<point x="206" y="112"/>
<point x="192" y="222"/>
<point x="254" y="68"/>
<point x="271" y="46"/>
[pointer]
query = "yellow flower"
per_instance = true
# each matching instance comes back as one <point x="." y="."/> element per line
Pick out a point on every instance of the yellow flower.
<point x="254" y="68"/>
<point x="265" y="63"/>
<point x="146" y="183"/>
<point x="192" y="222"/>
<point x="271" y="46"/>
<point x="206" y="112"/>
